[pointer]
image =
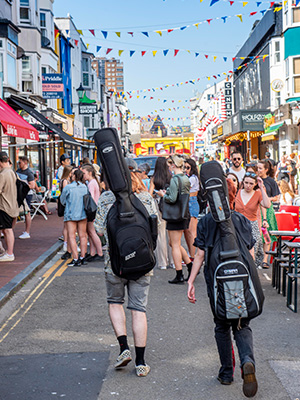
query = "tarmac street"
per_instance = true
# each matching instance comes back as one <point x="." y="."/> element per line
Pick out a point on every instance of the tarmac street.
<point x="56" y="341"/>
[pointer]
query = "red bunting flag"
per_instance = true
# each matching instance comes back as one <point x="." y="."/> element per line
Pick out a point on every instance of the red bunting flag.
<point x="176" y="52"/>
<point x="231" y="2"/>
<point x="233" y="58"/>
<point x="76" y="42"/>
<point x="208" y="20"/>
<point x="130" y="33"/>
<point x="253" y="13"/>
<point x="272" y="3"/>
<point x="231" y="72"/>
<point x="108" y="51"/>
<point x="170" y="30"/>
<point x="215" y="76"/>
<point x="143" y="53"/>
<point x="205" y="55"/>
<point x="161" y="88"/>
<point x="151" y="98"/>
<point x="92" y="31"/>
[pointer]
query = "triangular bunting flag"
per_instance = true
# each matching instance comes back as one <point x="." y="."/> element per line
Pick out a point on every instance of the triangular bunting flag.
<point x="80" y="32"/>
<point x="197" y="25"/>
<point x="118" y="34"/>
<point x="159" y="32"/>
<point x="131" y="53"/>
<point x="120" y="52"/>
<point x="258" y="3"/>
<point x="233" y="58"/>
<point x="263" y="12"/>
<point x="272" y="4"/>
<point x="165" y="52"/>
<point x="225" y="59"/>
<point x="224" y="19"/>
<point x="92" y="31"/>
<point x="208" y="21"/>
<point x="212" y="2"/>
<point x="206" y="55"/>
<point x="145" y="33"/>
<point x="170" y="30"/>
<point x="183" y="28"/>
<point x="104" y="33"/>
<point x="245" y="3"/>
<point x="76" y="42"/>
<point x="130" y="33"/>
<point x="196" y="54"/>
<point x="176" y="52"/>
<point x="253" y="13"/>
<point x="143" y="53"/>
<point x="231" y="2"/>
<point x="108" y="51"/>
<point x="240" y="17"/>
<point x="154" y="52"/>
<point x="67" y="31"/>
<point x="215" y="57"/>
<point x="87" y="46"/>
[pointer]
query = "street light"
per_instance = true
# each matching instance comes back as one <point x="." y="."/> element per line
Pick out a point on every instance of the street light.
<point x="80" y="91"/>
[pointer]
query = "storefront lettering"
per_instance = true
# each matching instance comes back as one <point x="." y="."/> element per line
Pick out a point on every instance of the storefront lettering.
<point x="11" y="130"/>
<point x="253" y="117"/>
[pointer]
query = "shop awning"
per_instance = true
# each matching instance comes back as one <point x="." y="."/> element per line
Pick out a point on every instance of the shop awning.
<point x="14" y="125"/>
<point x="269" y="136"/>
<point x="44" y="121"/>
<point x="273" y="128"/>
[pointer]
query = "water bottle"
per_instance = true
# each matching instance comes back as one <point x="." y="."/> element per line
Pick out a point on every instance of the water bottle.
<point x="266" y="235"/>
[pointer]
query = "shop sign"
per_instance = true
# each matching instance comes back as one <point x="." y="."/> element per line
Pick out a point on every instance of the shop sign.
<point x="228" y="98"/>
<point x="277" y="85"/>
<point x="88" y="109"/>
<point x="52" y="86"/>
<point x="248" y="121"/>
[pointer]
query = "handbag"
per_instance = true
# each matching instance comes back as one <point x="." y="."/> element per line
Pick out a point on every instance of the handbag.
<point x="178" y="211"/>
<point x="90" y="207"/>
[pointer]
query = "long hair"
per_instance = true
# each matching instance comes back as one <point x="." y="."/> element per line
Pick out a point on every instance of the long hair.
<point x="231" y="193"/>
<point x="90" y="168"/>
<point x="162" y="175"/>
<point x="193" y="165"/>
<point x="268" y="166"/>
<point x="137" y="184"/>
<point x="285" y="188"/>
<point x="78" y="175"/>
<point x="66" y="172"/>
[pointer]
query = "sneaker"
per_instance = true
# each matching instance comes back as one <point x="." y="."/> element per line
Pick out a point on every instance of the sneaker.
<point x="66" y="256"/>
<point x="250" y="383"/>
<point x="61" y="238"/>
<point x="96" y="257"/>
<point x="162" y="267"/>
<point x="87" y="257"/>
<point x="177" y="281"/>
<point x="7" y="257"/>
<point x="142" y="370"/>
<point x="24" y="235"/>
<point x="123" y="359"/>
<point x="83" y="261"/>
<point x="65" y="248"/>
<point x="74" y="263"/>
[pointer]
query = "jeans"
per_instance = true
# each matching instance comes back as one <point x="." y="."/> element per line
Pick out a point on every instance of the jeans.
<point x="244" y="342"/>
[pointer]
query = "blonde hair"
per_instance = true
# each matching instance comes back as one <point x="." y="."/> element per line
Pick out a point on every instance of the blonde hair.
<point x="285" y="188"/>
<point x="137" y="184"/>
<point x="177" y="160"/>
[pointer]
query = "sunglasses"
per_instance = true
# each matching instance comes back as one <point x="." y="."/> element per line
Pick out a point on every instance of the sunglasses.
<point x="188" y="167"/>
<point x="251" y="174"/>
<point x="237" y="159"/>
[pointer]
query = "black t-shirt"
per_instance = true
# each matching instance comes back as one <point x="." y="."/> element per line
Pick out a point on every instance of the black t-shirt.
<point x="273" y="162"/>
<point x="207" y="227"/>
<point x="271" y="186"/>
<point x="27" y="174"/>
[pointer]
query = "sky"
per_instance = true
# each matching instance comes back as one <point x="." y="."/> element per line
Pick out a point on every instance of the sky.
<point x="217" y="39"/>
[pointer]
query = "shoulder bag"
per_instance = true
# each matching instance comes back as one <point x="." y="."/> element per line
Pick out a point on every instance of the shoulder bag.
<point x="60" y="207"/>
<point x="90" y="207"/>
<point x="178" y="211"/>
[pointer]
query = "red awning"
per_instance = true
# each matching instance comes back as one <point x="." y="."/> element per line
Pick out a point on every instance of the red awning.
<point x="14" y="125"/>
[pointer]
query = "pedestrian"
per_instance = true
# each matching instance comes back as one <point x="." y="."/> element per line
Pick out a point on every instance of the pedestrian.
<point x="161" y="180"/>
<point x="247" y="203"/>
<point x="287" y="195"/>
<point x="236" y="167"/>
<point x="137" y="290"/>
<point x="282" y="171"/>
<point x="175" y="229"/>
<point x="25" y="173"/>
<point x="266" y="171"/>
<point x="64" y="161"/>
<point x="96" y="252"/>
<point x="65" y="180"/>
<point x="254" y="159"/>
<point x="9" y="209"/>
<point x="268" y="157"/>
<point x="145" y="169"/>
<point x="235" y="180"/>
<point x="205" y="241"/>
<point x="191" y="232"/>
<point x="75" y="216"/>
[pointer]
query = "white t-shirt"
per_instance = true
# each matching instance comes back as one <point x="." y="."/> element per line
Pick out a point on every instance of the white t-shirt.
<point x="288" y="199"/>
<point x="240" y="174"/>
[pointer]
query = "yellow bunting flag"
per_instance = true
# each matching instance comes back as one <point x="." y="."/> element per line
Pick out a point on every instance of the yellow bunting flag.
<point x="208" y="78"/>
<point x="87" y="45"/>
<point x="137" y="97"/>
<point x="240" y="17"/>
<point x="215" y="57"/>
<point x="257" y="61"/>
<point x="197" y="25"/>
<point x="169" y="109"/>
<point x="154" y="52"/>
<point x="120" y="52"/>
<point x="265" y="56"/>
<point x="189" y="51"/>
<point x="285" y="2"/>
<point x="242" y="58"/>
<point x="118" y="34"/>
<point x="159" y="32"/>
<point x="56" y="36"/>
<point x="80" y="32"/>
<point x="277" y="9"/>
<point x="245" y="3"/>
<point x="239" y="67"/>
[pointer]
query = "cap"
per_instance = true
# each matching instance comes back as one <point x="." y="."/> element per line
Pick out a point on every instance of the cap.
<point x="267" y="154"/>
<point x="64" y="157"/>
<point x="3" y="154"/>
<point x="132" y="165"/>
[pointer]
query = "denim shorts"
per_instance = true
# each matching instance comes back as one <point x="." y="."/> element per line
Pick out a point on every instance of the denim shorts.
<point x="194" y="207"/>
<point x="137" y="291"/>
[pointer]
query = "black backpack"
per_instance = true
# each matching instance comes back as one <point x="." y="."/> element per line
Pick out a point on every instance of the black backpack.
<point x="131" y="231"/>
<point x="22" y="190"/>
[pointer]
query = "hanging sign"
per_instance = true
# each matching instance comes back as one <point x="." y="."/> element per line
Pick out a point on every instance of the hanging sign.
<point x="52" y="86"/>
<point x="88" y="109"/>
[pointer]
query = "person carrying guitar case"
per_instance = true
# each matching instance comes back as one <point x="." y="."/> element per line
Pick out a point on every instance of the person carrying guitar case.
<point x="127" y="217"/>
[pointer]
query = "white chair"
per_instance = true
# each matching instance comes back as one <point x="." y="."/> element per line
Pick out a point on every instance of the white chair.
<point x="36" y="205"/>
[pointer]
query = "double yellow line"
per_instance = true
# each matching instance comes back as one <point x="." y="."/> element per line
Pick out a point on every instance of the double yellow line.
<point x="23" y="309"/>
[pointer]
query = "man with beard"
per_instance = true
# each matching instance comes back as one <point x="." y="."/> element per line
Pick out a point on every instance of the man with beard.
<point x="236" y="168"/>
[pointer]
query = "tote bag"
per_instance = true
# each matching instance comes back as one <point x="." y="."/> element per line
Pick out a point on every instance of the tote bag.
<point x="178" y="211"/>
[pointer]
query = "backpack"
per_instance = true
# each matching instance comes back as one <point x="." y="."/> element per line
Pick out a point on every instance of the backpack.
<point x="132" y="232"/>
<point x="233" y="285"/>
<point x="22" y="190"/>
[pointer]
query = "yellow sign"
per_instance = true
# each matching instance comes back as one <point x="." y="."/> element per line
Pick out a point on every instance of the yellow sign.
<point x="277" y="85"/>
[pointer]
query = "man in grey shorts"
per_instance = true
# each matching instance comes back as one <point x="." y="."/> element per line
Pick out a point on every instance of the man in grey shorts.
<point x="137" y="290"/>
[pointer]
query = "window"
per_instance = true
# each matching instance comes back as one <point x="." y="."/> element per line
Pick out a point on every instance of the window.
<point x="12" y="48"/>
<point x="150" y="150"/>
<point x="277" y="99"/>
<point x="85" y="64"/>
<point x="119" y="78"/>
<point x="38" y="67"/>
<point x="296" y="71"/>
<point x="43" y="24"/>
<point x="44" y="70"/>
<point x="26" y="68"/>
<point x="172" y="149"/>
<point x="277" y="53"/>
<point x="24" y="11"/>
<point x="1" y="44"/>
<point x="86" y="122"/>
<point x="85" y="79"/>
<point x="296" y="15"/>
<point x="118" y="74"/>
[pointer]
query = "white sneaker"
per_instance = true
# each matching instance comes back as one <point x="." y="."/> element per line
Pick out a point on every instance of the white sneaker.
<point x="142" y="370"/>
<point x="7" y="257"/>
<point x="24" y="235"/>
<point x="65" y="247"/>
<point x="78" y="249"/>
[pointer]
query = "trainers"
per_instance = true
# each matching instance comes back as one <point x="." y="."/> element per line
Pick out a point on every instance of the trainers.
<point x="142" y="370"/>
<point x="74" y="263"/>
<point x="96" y="257"/>
<point x="24" y="235"/>
<point x="65" y="248"/>
<point x="177" y="280"/>
<point x="5" y="257"/>
<point x="61" y="238"/>
<point x="250" y="383"/>
<point x="123" y="359"/>
<point x="83" y="261"/>
<point x="66" y="256"/>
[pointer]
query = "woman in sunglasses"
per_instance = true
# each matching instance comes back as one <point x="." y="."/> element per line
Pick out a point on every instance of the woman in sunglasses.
<point x="248" y="202"/>
<point x="266" y="172"/>
<point x="175" y="229"/>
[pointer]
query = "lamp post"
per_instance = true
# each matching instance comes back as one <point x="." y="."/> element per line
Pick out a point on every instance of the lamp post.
<point x="80" y="91"/>
<point x="101" y="116"/>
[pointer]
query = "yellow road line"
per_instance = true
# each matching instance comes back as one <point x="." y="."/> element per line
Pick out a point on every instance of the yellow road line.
<point x="29" y="307"/>
<point x="61" y="270"/>
<point x="50" y="270"/>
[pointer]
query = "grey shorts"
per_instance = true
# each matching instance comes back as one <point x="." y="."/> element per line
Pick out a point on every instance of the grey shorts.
<point x="137" y="291"/>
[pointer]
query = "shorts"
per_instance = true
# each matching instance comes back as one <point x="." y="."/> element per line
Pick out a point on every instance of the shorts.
<point x="194" y="207"/>
<point x="29" y="199"/>
<point x="137" y="291"/>
<point x="5" y="220"/>
<point x="178" y="226"/>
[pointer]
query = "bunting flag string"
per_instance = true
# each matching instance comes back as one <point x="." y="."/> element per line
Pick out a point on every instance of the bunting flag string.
<point x="160" y="32"/>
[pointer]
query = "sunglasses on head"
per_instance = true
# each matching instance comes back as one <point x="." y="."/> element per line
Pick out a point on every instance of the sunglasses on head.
<point x="251" y="174"/>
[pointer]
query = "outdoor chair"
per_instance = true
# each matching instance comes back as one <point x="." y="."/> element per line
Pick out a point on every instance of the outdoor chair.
<point x="36" y="206"/>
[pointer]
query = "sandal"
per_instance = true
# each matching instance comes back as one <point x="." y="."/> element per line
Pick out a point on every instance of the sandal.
<point x="265" y="265"/>
<point x="49" y="213"/>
